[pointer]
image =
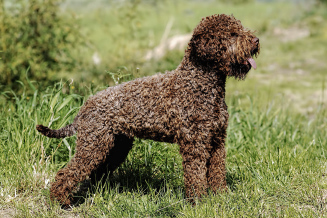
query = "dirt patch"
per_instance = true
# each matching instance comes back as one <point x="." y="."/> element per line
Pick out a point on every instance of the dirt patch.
<point x="178" y="42"/>
<point x="291" y="34"/>
<point x="8" y="212"/>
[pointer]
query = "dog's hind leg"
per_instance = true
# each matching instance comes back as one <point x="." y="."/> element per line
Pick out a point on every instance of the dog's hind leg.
<point x="117" y="155"/>
<point x="91" y="152"/>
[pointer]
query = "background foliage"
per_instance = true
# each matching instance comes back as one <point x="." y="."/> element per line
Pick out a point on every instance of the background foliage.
<point x="35" y="36"/>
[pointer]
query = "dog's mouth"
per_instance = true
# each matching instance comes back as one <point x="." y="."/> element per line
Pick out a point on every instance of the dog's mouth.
<point x="252" y="62"/>
<point x="255" y="51"/>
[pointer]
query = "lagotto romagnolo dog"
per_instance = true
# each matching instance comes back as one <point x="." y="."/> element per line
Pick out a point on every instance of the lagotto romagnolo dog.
<point x="184" y="106"/>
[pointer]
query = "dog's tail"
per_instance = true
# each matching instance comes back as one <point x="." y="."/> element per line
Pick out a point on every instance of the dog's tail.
<point x="68" y="130"/>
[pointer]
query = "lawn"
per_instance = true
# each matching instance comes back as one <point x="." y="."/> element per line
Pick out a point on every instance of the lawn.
<point x="276" y="144"/>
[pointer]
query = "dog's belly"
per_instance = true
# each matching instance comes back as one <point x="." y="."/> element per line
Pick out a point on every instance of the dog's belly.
<point x="146" y="125"/>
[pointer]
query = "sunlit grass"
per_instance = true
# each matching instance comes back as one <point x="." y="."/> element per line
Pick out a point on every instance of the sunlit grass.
<point x="276" y="158"/>
<point x="275" y="164"/>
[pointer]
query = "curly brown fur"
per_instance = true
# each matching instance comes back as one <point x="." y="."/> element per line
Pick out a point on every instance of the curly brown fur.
<point x="184" y="106"/>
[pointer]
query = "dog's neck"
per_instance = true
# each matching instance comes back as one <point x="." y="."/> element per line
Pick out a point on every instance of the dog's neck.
<point x="215" y="78"/>
<point x="192" y="65"/>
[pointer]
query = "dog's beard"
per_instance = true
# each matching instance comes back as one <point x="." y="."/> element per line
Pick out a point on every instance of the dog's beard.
<point x="239" y="71"/>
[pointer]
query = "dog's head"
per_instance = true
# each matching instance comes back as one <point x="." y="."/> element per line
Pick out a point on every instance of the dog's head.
<point x="220" y="42"/>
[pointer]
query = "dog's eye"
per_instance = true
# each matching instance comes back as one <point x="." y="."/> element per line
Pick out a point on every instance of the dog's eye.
<point x="214" y="37"/>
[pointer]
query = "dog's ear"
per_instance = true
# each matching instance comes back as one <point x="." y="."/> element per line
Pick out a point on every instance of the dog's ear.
<point x="210" y="42"/>
<point x="209" y="49"/>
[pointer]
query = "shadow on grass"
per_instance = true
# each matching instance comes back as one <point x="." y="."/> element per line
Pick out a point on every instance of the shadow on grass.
<point x="232" y="179"/>
<point x="137" y="180"/>
<point x="127" y="180"/>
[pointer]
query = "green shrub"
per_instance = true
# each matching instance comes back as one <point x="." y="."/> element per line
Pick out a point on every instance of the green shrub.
<point x="323" y="1"/>
<point x="33" y="35"/>
<point x="238" y="1"/>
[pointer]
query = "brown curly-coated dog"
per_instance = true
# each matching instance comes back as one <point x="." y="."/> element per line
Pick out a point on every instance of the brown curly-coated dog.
<point x="184" y="106"/>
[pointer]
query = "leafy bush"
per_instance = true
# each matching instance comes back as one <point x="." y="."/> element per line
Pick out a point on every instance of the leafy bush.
<point x="35" y="36"/>
<point x="238" y="1"/>
<point x="323" y="1"/>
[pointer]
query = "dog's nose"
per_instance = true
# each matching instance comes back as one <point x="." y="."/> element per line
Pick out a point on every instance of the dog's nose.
<point x="255" y="40"/>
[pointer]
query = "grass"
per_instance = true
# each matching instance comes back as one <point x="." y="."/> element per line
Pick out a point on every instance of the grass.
<point x="276" y="145"/>
<point x="276" y="165"/>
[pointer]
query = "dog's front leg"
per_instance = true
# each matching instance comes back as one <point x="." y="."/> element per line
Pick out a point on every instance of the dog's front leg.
<point x="216" y="174"/>
<point x="195" y="170"/>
